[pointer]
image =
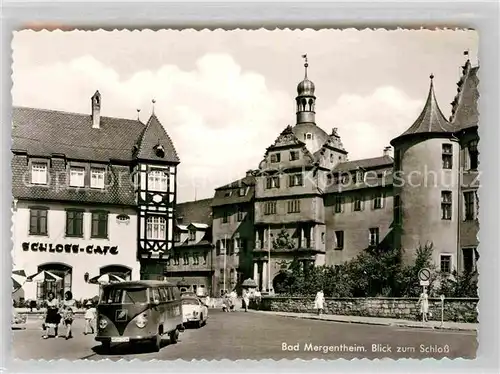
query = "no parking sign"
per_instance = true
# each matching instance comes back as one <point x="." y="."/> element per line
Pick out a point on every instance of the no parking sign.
<point x="424" y="275"/>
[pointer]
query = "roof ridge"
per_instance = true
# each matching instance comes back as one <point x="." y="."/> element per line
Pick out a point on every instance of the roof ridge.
<point x="74" y="113"/>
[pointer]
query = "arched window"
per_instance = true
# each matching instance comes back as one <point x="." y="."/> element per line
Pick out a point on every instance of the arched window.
<point x="156" y="228"/>
<point x="121" y="271"/>
<point x="49" y="284"/>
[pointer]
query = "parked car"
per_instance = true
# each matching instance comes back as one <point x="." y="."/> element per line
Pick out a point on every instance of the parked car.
<point x="18" y="320"/>
<point x="194" y="311"/>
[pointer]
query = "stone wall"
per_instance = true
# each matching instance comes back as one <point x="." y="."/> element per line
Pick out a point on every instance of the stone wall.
<point x="455" y="309"/>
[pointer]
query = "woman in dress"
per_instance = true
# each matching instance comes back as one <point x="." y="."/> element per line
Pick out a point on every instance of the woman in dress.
<point x="319" y="302"/>
<point x="424" y="305"/>
<point x="68" y="307"/>
<point x="52" y="316"/>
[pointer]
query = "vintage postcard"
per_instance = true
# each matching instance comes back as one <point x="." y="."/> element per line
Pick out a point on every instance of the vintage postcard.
<point x="245" y="194"/>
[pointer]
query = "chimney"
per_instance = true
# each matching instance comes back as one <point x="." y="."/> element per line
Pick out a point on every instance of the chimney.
<point x="96" y="110"/>
<point x="387" y="151"/>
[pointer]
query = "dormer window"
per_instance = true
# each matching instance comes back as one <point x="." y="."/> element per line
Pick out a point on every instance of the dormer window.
<point x="158" y="180"/>
<point x="159" y="150"/>
<point x="39" y="173"/>
<point x="97" y="178"/>
<point x="228" y="193"/>
<point x="308" y="136"/>
<point x="242" y="191"/>
<point x="275" y="157"/>
<point x="77" y="177"/>
<point x="192" y="235"/>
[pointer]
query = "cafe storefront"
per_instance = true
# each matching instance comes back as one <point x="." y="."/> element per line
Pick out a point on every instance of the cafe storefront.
<point x="57" y="262"/>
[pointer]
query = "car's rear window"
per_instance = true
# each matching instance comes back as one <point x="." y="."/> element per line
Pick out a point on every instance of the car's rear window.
<point x="190" y="302"/>
<point x="125" y="296"/>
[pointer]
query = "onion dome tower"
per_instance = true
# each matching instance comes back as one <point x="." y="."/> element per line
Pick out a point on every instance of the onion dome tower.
<point x="305" y="129"/>
<point x="426" y="183"/>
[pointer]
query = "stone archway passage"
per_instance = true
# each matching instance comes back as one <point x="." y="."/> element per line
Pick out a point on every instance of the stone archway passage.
<point x="279" y="282"/>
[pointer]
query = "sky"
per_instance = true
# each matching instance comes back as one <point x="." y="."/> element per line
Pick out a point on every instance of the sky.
<point x="224" y="96"/>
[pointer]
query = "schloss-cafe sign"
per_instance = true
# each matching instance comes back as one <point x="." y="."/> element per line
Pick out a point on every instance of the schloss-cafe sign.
<point x="69" y="248"/>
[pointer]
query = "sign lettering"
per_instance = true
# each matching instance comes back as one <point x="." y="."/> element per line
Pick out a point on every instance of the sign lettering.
<point x="70" y="248"/>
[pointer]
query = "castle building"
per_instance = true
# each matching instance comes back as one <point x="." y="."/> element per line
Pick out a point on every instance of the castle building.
<point x="93" y="195"/>
<point x="311" y="205"/>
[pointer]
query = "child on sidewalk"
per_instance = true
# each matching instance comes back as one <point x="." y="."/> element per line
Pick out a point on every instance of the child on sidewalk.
<point x="90" y="315"/>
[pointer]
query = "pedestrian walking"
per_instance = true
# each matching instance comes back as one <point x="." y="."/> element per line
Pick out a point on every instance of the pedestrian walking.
<point x="90" y="316"/>
<point x="246" y="299"/>
<point x="424" y="305"/>
<point x="232" y="297"/>
<point x="52" y="316"/>
<point x="207" y="301"/>
<point x="319" y="302"/>
<point x="68" y="307"/>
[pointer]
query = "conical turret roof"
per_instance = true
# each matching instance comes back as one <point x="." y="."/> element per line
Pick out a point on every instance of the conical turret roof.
<point x="431" y="120"/>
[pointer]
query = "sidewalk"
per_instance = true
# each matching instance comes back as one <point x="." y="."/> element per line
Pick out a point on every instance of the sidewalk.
<point x="457" y="326"/>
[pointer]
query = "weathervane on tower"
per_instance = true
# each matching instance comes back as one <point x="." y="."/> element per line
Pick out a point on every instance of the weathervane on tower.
<point x="305" y="63"/>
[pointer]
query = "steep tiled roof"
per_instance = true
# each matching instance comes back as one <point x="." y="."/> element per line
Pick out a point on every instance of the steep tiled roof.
<point x="367" y="163"/>
<point x="230" y="193"/>
<point x="41" y="132"/>
<point x="199" y="211"/>
<point x="430" y="120"/>
<point x="154" y="135"/>
<point x="464" y="107"/>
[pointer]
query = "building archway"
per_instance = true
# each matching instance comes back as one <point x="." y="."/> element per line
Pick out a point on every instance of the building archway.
<point x="280" y="282"/>
<point x="63" y="271"/>
<point x="121" y="271"/>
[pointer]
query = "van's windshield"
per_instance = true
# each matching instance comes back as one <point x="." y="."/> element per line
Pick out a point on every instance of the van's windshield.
<point x="116" y="295"/>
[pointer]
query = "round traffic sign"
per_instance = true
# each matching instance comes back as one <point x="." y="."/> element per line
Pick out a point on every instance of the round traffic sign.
<point x="424" y="274"/>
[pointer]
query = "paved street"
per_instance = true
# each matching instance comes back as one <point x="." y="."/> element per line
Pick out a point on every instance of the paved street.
<point x="242" y="335"/>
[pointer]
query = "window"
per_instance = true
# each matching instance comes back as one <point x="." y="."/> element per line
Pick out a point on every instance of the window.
<point x="192" y="235"/>
<point x="374" y="237"/>
<point x="470" y="257"/>
<point x="322" y="238"/>
<point x="196" y="258"/>
<point x="205" y="255"/>
<point x="473" y="155"/>
<point x="238" y="243"/>
<point x="447" y="156"/>
<point x="39" y="173"/>
<point x="332" y="157"/>
<point x="74" y="223"/>
<point x="275" y="157"/>
<point x="446" y="205"/>
<point x="240" y="215"/>
<point x="357" y="203"/>
<point x="378" y="201"/>
<point x="294" y="206"/>
<point x="359" y="176"/>
<point x="270" y="208"/>
<point x="242" y="191"/>
<point x="97" y="178"/>
<point x="225" y="217"/>
<point x="294" y="155"/>
<point x="158" y="180"/>
<point x="99" y="225"/>
<point x="49" y="285"/>
<point x="177" y="236"/>
<point x="445" y="263"/>
<point x="77" y="177"/>
<point x="227" y="193"/>
<point x="295" y="180"/>
<point x="185" y="259"/>
<point x="339" y="200"/>
<point x="308" y="136"/>
<point x="38" y="221"/>
<point x="339" y="240"/>
<point x="272" y="182"/>
<point x="469" y="200"/>
<point x="329" y="179"/>
<point x="156" y="228"/>
<point x="397" y="210"/>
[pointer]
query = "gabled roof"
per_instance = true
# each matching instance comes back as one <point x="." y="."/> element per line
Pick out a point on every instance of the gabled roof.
<point x="367" y="163"/>
<point x="286" y="138"/>
<point x="431" y="120"/>
<point x="464" y="106"/>
<point x="199" y="211"/>
<point x="42" y="132"/>
<point x="153" y="136"/>
<point x="248" y="180"/>
<point x="230" y="193"/>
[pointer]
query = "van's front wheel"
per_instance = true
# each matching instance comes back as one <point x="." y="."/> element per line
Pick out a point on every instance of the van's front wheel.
<point x="156" y="343"/>
<point x="174" y="336"/>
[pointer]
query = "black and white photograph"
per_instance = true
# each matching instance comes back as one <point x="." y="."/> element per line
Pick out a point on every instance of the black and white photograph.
<point x="245" y="194"/>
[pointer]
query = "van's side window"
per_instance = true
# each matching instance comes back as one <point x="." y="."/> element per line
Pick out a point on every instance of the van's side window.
<point x="163" y="295"/>
<point x="154" y="295"/>
<point x="170" y="294"/>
